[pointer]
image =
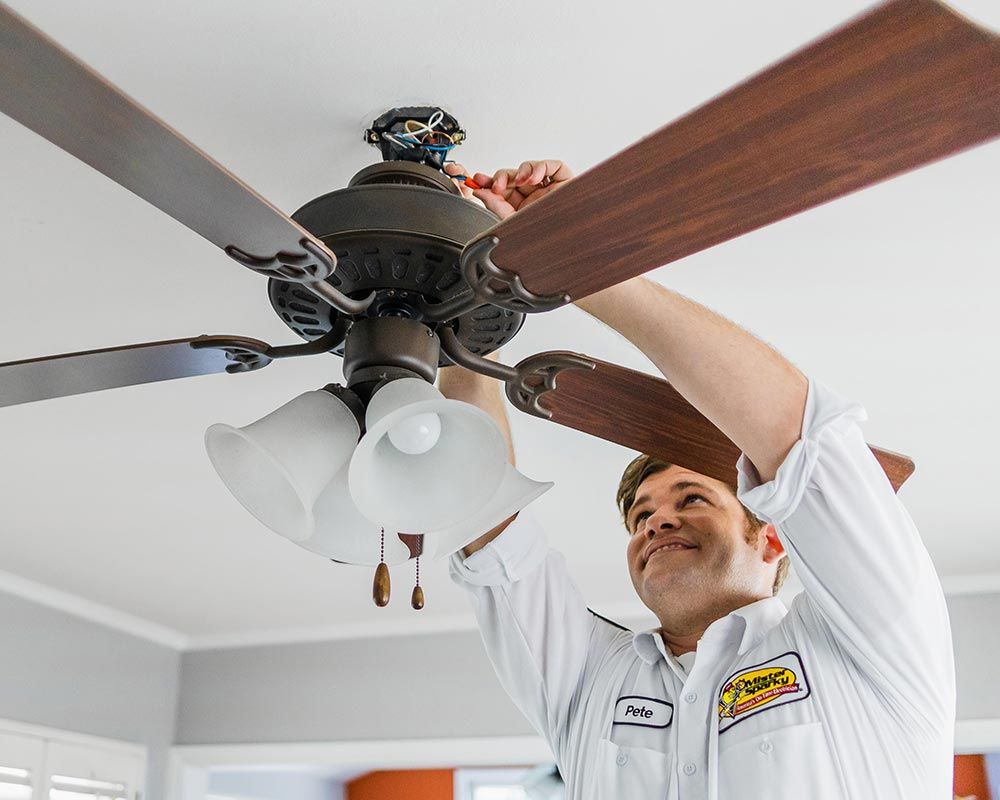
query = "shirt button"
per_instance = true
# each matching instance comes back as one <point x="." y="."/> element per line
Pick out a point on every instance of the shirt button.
<point x="766" y="746"/>
<point x="690" y="697"/>
<point x="622" y="759"/>
<point x="690" y="769"/>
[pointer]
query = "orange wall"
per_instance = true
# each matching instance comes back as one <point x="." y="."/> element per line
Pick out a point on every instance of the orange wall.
<point x="970" y="777"/>
<point x="417" y="784"/>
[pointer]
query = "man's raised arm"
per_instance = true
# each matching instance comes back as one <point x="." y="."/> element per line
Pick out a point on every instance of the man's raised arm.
<point x="751" y="392"/>
<point x="748" y="390"/>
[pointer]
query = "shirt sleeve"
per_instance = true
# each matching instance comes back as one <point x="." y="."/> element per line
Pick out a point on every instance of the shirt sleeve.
<point x="535" y="625"/>
<point x="866" y="573"/>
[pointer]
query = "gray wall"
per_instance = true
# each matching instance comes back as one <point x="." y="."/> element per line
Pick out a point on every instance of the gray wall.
<point x="438" y="686"/>
<point x="398" y="687"/>
<point x="274" y="785"/>
<point x="63" y="672"/>
<point x="975" y="630"/>
<point x="60" y="671"/>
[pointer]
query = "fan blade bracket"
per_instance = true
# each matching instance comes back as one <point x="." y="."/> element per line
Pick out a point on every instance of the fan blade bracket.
<point x="246" y="355"/>
<point x="314" y="264"/>
<point x="539" y="374"/>
<point x="311" y="268"/>
<point x="243" y="355"/>
<point x="463" y="357"/>
<point x="491" y="284"/>
<point x="498" y="286"/>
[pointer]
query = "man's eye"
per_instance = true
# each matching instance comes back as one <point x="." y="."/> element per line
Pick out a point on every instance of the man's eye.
<point x="639" y="518"/>
<point x="687" y="500"/>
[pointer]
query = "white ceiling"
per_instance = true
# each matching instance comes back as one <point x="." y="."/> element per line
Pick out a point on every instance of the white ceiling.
<point x="888" y="295"/>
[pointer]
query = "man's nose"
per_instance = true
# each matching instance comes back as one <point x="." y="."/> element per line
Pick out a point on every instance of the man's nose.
<point x="662" y="521"/>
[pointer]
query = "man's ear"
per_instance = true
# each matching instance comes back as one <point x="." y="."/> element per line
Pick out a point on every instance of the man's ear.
<point x="773" y="548"/>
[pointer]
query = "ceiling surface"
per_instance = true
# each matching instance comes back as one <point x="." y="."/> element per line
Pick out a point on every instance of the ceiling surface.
<point x="888" y="295"/>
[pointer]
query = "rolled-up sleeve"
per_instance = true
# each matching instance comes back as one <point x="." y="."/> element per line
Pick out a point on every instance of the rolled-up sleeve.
<point x="533" y="621"/>
<point x="865" y="570"/>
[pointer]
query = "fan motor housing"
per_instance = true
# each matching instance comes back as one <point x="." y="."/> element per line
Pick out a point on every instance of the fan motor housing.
<point x="398" y="229"/>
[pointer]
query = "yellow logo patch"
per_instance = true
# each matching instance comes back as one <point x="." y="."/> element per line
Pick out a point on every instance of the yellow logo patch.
<point x="776" y="682"/>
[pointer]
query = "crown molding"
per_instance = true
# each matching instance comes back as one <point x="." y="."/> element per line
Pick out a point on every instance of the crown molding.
<point x="630" y="613"/>
<point x="91" y="611"/>
<point x="980" y="583"/>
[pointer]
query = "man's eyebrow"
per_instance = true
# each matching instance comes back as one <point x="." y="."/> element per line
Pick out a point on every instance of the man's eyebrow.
<point x="680" y="486"/>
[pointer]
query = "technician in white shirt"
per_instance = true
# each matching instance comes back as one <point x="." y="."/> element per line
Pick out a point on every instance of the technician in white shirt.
<point x="848" y="694"/>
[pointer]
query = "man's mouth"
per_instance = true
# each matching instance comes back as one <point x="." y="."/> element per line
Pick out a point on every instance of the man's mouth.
<point x="669" y="547"/>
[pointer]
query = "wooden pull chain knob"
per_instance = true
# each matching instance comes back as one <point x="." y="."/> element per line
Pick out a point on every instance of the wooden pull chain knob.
<point x="380" y="588"/>
<point x="417" y="598"/>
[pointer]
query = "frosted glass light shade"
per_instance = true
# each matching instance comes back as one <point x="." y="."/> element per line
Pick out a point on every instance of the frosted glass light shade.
<point x="343" y="533"/>
<point x="277" y="467"/>
<point x="422" y="492"/>
<point x="516" y="491"/>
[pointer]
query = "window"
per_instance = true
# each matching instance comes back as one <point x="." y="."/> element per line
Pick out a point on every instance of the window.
<point x="15" y="783"/>
<point x="496" y="792"/>
<point x="43" y="764"/>
<point x="64" y="787"/>
<point x="517" y="783"/>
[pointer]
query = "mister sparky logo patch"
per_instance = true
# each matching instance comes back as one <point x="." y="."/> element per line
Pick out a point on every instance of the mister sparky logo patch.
<point x="777" y="682"/>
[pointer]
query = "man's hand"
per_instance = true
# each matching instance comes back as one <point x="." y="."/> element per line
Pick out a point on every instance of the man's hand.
<point x="510" y="190"/>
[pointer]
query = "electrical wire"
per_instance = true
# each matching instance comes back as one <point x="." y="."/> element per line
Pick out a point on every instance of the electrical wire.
<point x="415" y="134"/>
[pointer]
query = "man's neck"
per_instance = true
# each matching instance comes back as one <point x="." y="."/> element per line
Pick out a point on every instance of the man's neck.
<point x="682" y="632"/>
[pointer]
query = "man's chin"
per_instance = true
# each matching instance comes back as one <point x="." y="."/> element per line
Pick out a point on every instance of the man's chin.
<point x="659" y="580"/>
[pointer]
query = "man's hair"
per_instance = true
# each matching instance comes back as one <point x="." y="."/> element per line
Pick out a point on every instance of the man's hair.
<point x="643" y="466"/>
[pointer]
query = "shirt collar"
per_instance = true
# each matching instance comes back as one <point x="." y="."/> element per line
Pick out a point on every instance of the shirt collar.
<point x="758" y="618"/>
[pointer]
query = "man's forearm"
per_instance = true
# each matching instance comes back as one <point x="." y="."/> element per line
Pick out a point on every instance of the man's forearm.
<point x="457" y="383"/>
<point x="750" y="391"/>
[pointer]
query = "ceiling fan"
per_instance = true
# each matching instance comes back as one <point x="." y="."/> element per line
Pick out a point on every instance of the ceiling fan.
<point x="398" y="274"/>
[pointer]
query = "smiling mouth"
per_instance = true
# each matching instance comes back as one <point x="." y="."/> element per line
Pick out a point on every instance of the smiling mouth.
<point x="670" y="548"/>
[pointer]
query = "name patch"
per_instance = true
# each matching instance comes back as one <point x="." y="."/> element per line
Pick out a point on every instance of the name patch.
<point x="643" y="712"/>
<point x="774" y="683"/>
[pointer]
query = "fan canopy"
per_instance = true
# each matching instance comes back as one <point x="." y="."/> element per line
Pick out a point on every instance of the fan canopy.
<point x="398" y="229"/>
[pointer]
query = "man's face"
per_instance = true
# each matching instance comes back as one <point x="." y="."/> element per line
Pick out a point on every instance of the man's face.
<point x="688" y="552"/>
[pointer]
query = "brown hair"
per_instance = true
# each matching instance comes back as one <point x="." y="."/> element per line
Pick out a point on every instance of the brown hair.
<point x="643" y="466"/>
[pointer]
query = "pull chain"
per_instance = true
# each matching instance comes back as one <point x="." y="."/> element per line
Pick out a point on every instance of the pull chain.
<point x="417" y="599"/>
<point x="380" y="587"/>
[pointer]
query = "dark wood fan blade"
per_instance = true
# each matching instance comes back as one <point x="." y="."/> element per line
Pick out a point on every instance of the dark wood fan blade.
<point x="51" y="92"/>
<point x="94" y="370"/>
<point x="905" y="84"/>
<point x="651" y="416"/>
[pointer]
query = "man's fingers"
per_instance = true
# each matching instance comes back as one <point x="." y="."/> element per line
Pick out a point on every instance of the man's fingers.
<point x="484" y="180"/>
<point x="494" y="203"/>
<point x="454" y="168"/>
<point x="538" y="174"/>
<point x="501" y="178"/>
<point x="558" y="171"/>
<point x="552" y="169"/>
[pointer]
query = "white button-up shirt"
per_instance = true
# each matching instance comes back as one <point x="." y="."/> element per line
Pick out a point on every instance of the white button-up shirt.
<point x="850" y="693"/>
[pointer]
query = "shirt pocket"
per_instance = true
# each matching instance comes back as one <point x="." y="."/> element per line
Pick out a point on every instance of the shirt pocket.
<point x="788" y="763"/>
<point x="630" y="772"/>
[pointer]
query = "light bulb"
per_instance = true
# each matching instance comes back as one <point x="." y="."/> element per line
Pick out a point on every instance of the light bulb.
<point x="416" y="434"/>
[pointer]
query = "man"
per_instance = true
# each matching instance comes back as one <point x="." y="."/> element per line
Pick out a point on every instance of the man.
<point x="848" y="693"/>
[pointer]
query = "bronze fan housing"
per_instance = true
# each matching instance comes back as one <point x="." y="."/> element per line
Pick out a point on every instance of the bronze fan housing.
<point x="397" y="230"/>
